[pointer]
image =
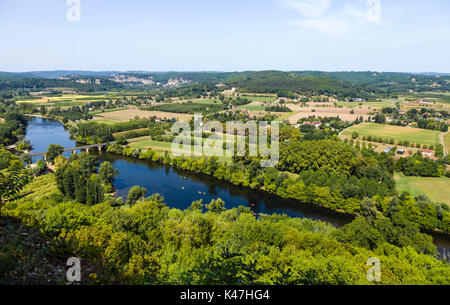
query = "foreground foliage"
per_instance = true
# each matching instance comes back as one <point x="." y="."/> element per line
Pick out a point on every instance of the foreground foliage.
<point x="151" y="243"/>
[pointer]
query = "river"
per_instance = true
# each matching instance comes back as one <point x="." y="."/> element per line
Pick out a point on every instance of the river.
<point x="181" y="188"/>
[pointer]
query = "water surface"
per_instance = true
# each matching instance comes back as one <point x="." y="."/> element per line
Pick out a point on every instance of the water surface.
<point x="43" y="132"/>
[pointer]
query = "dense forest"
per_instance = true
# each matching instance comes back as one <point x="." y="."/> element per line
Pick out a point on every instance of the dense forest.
<point x="189" y="107"/>
<point x="388" y="82"/>
<point x="286" y="84"/>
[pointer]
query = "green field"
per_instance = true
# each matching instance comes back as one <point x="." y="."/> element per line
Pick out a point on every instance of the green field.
<point x="259" y="98"/>
<point x="162" y="147"/>
<point x="251" y="107"/>
<point x="437" y="189"/>
<point x="67" y="100"/>
<point x="398" y="133"/>
<point x="447" y="142"/>
<point x="155" y="145"/>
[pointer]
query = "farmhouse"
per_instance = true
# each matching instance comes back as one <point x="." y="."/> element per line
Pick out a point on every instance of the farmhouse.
<point x="427" y="153"/>
<point x="315" y="124"/>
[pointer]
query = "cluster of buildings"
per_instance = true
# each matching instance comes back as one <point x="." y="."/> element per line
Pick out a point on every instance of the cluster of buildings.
<point x="88" y="81"/>
<point x="426" y="153"/>
<point x="316" y="124"/>
<point x="123" y="78"/>
<point x="133" y="79"/>
<point x="176" y="82"/>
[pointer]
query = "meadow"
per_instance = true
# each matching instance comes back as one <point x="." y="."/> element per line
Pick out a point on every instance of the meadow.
<point x="253" y="107"/>
<point x="398" y="133"/>
<point x="145" y="143"/>
<point x="437" y="189"/>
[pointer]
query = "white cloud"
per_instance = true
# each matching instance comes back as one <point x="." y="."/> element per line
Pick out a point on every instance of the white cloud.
<point x="327" y="25"/>
<point x="308" y="8"/>
<point x="348" y="19"/>
<point x="374" y="12"/>
<point x="152" y="21"/>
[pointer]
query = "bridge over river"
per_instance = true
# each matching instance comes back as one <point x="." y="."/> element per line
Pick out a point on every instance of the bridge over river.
<point x="75" y="149"/>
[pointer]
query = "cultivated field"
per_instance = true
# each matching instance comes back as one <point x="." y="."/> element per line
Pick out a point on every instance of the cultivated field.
<point x="129" y="114"/>
<point x="373" y="105"/>
<point x="64" y="101"/>
<point x="329" y="110"/>
<point x="437" y="189"/>
<point x="398" y="133"/>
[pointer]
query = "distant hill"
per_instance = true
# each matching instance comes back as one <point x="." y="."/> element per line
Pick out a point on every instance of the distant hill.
<point x="285" y="83"/>
<point x="389" y="82"/>
<point x="15" y="75"/>
<point x="343" y="84"/>
<point x="65" y="73"/>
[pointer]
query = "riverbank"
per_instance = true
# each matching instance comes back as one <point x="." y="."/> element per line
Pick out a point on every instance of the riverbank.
<point x="56" y="119"/>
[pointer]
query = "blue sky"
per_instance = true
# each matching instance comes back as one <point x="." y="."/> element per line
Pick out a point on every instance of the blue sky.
<point x="226" y="35"/>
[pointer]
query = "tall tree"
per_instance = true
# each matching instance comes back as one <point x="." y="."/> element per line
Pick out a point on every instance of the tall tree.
<point x="107" y="173"/>
<point x="53" y="151"/>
